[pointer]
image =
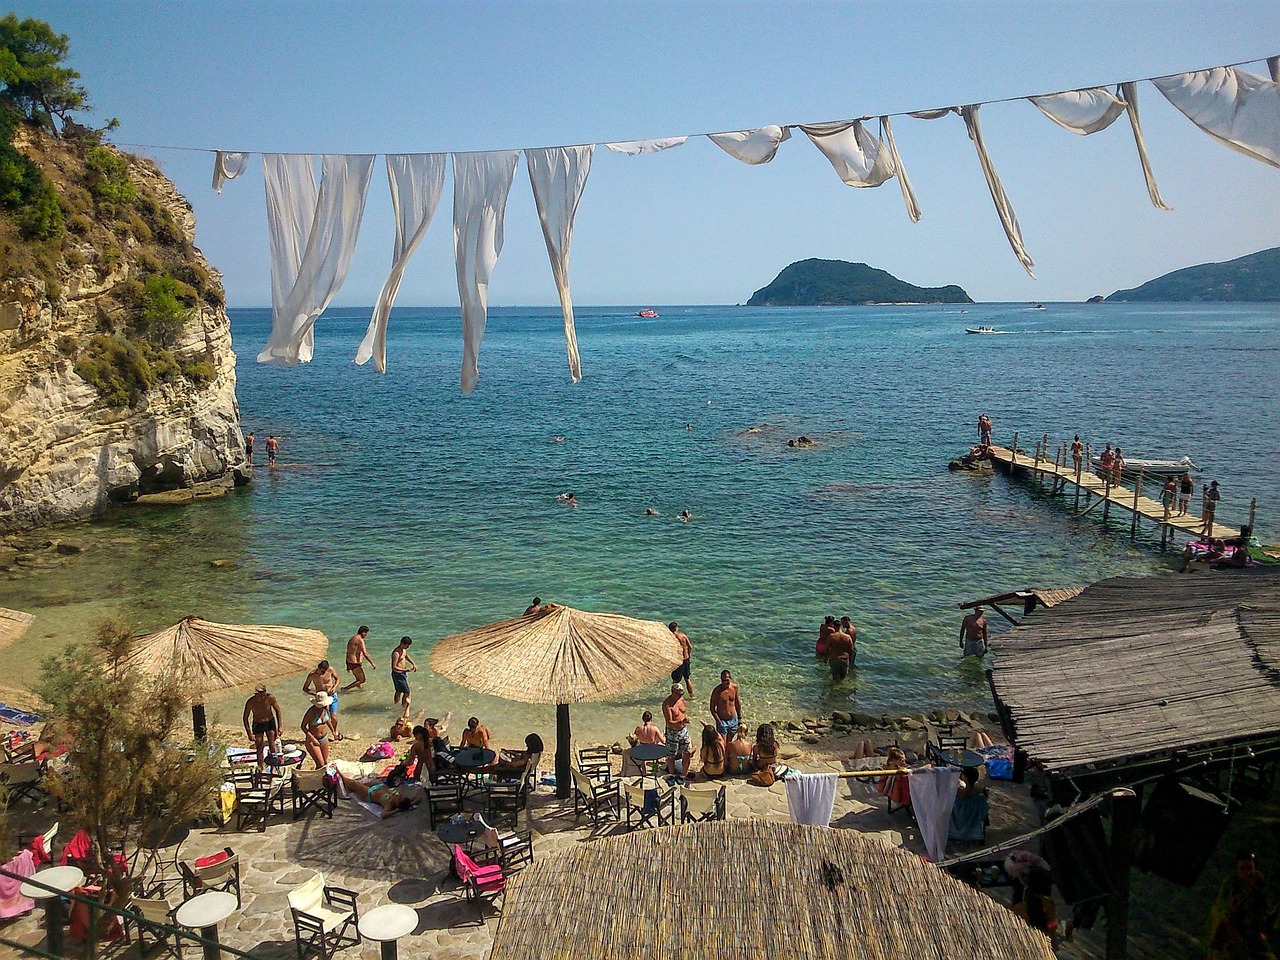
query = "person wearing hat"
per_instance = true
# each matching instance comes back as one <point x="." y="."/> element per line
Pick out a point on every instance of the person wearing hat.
<point x="676" y="715"/>
<point x="317" y="726"/>
<point x="973" y="634"/>
<point x="263" y="711"/>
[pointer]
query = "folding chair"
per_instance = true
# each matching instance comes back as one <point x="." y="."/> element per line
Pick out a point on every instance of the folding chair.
<point x="592" y="796"/>
<point x="701" y="804"/>
<point x="515" y="849"/>
<point x="480" y="882"/>
<point x="151" y="917"/>
<point x="658" y="812"/>
<point x="219" y="872"/>
<point x="308" y="791"/>
<point x="257" y="804"/>
<point x="443" y="800"/>
<point x="25" y="841"/>
<point x="325" y="919"/>
<point x="945" y="739"/>
<point x="595" y="763"/>
<point x="22" y="779"/>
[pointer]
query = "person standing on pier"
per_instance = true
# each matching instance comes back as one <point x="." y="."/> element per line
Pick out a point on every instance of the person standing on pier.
<point x="1168" y="494"/>
<point x="1185" y="489"/>
<point x="1117" y="465"/>
<point x="1106" y="460"/>
<point x="973" y="634"/>
<point x="1211" y="498"/>
<point x="1077" y="452"/>
<point x="984" y="430"/>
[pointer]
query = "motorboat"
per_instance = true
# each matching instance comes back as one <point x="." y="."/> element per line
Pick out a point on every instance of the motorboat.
<point x="1152" y="470"/>
<point x="981" y="330"/>
<point x="648" y="313"/>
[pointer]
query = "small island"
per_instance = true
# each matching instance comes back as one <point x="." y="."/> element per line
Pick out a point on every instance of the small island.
<point x="1251" y="279"/>
<point x="838" y="283"/>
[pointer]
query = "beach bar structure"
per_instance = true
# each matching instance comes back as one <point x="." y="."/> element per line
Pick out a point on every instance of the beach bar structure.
<point x="1168" y="686"/>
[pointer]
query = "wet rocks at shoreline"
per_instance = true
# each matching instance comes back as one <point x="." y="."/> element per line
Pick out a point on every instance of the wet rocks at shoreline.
<point x="23" y="552"/>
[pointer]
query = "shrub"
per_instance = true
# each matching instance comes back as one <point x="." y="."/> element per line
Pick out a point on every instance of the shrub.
<point x="107" y="174"/>
<point x="41" y="217"/>
<point x="117" y="368"/>
<point x="80" y="225"/>
<point x="67" y="345"/>
<point x="138" y="227"/>
<point x="198" y="372"/>
<point x="163" y="315"/>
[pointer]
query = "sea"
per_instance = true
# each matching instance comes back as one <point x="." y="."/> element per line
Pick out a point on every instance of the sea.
<point x="406" y="505"/>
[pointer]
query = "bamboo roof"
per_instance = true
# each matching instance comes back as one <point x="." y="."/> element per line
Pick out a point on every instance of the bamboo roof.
<point x="1043" y="598"/>
<point x="13" y="624"/>
<point x="1138" y="667"/>
<point x="224" y="656"/>
<point x="559" y="655"/>
<point x="750" y="889"/>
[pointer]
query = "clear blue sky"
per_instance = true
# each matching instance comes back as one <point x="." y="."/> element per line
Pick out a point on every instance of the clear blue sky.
<point x="692" y="225"/>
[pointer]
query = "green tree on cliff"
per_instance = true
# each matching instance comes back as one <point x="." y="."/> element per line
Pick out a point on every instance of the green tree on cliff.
<point x="32" y="76"/>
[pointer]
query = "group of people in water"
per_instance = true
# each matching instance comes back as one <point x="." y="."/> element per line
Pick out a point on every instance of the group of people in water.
<point x="838" y="646"/>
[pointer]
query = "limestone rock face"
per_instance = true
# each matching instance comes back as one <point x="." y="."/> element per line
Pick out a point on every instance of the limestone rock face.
<point x="66" y="454"/>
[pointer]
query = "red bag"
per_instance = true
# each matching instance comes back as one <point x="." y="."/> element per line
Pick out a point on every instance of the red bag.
<point x="212" y="859"/>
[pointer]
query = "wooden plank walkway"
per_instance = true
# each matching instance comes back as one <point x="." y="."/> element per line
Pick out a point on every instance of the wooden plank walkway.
<point x="1094" y="489"/>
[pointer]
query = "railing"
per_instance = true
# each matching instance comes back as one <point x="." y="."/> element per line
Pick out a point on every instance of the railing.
<point x="211" y="948"/>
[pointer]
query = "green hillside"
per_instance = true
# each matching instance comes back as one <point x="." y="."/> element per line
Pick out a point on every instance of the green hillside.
<point x="1251" y="279"/>
<point x="820" y="283"/>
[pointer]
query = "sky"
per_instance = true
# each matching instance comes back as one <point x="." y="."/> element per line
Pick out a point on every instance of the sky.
<point x="693" y="225"/>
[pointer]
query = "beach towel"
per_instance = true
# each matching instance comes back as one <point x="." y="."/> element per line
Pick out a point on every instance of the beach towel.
<point x="416" y="183"/>
<point x="933" y="792"/>
<point x="12" y="903"/>
<point x="811" y="797"/>
<point x="14" y="715"/>
<point x="998" y="759"/>
<point x="481" y="183"/>
<point x="969" y="817"/>
<point x="558" y="175"/>
<point x="78" y="848"/>
<point x="313" y="237"/>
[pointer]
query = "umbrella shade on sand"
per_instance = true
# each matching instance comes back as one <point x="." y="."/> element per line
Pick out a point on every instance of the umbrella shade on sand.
<point x="224" y="656"/>
<point x="559" y="655"/>
<point x="13" y="624"/>
<point x="748" y="889"/>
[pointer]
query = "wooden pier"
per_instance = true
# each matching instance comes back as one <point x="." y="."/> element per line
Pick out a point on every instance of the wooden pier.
<point x="1056" y="471"/>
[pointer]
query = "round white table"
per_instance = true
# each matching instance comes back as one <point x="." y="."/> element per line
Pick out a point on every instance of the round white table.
<point x="204" y="912"/>
<point x="387" y="924"/>
<point x="64" y="880"/>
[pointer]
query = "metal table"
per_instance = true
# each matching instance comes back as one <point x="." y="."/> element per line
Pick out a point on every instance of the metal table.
<point x="204" y="912"/>
<point x="387" y="924"/>
<point x="63" y="880"/>
<point x="650" y="753"/>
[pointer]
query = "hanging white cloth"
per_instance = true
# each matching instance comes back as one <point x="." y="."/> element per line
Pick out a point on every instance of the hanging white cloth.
<point x="1273" y="68"/>
<point x="1129" y="94"/>
<point x="811" y="797"/>
<point x="633" y="148"/>
<point x="1240" y="110"/>
<point x="858" y="158"/>
<point x="933" y="793"/>
<point x="558" y="175"/>
<point x="417" y="180"/>
<point x="908" y="193"/>
<point x="227" y="165"/>
<point x="1081" y="111"/>
<point x="313" y="235"/>
<point x="481" y="183"/>
<point x="752" y="146"/>
<point x="935" y="114"/>
<point x="1008" y="219"/>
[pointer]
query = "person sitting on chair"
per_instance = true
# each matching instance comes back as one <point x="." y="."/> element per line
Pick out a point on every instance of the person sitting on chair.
<point x="475" y="735"/>
<point x="515" y="761"/>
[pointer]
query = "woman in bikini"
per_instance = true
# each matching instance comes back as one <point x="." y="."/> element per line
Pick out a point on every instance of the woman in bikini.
<point x="713" y="753"/>
<point x="317" y="725"/>
<point x="765" y="752"/>
<point x="388" y="798"/>
<point x="738" y="752"/>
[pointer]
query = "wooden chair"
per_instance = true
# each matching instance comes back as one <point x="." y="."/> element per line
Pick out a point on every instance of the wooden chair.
<point x="479" y="881"/>
<point x="443" y="800"/>
<point x="944" y="740"/>
<point x="255" y="804"/>
<point x="308" y="791"/>
<point x="515" y="849"/>
<point x="221" y="875"/>
<point x="595" y="763"/>
<point x="22" y="779"/>
<point x="151" y="916"/>
<point x="593" y="796"/>
<point x="701" y="804"/>
<point x="25" y="840"/>
<point x="325" y="919"/>
<point x="641" y="812"/>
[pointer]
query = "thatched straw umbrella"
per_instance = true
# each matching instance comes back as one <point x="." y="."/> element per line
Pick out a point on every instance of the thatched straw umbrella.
<point x="559" y="655"/>
<point x="223" y="656"/>
<point x="750" y="889"/>
<point x="13" y="624"/>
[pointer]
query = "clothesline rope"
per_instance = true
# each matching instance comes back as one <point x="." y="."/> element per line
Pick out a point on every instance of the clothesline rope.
<point x="900" y="113"/>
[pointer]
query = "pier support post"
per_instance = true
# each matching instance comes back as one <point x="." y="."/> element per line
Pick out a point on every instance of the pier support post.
<point x="1106" y="499"/>
<point x="1013" y="453"/>
<point x="1253" y="509"/>
<point x="1137" y="492"/>
<point x="1079" y="467"/>
<point x="1124" y="814"/>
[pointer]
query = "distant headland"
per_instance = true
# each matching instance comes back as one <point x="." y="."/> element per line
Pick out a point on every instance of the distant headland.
<point x="1251" y="279"/>
<point x="838" y="283"/>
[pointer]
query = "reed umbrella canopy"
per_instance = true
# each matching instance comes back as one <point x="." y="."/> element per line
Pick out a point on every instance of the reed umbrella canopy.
<point x="13" y="624"/>
<point x="796" y="892"/>
<point x="559" y="655"/>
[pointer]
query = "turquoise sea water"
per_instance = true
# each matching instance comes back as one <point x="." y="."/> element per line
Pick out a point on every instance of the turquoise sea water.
<point x="405" y="505"/>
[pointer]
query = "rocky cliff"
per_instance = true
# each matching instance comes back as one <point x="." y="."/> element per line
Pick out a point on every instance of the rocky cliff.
<point x="117" y="377"/>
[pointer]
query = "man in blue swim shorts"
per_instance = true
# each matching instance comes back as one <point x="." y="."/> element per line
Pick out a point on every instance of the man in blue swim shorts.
<point x="401" y="665"/>
<point x="726" y="706"/>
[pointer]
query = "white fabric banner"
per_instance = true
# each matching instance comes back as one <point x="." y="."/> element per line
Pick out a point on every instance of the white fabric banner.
<point x="811" y="797"/>
<point x="1008" y="219"/>
<point x="904" y="182"/>
<point x="417" y="180"/>
<point x="481" y="183"/>
<point x="752" y="146"/>
<point x="859" y="159"/>
<point x="558" y="175"/>
<point x="1129" y="93"/>
<point x="228" y="165"/>
<point x="1081" y="111"/>
<point x="313" y="235"/>
<point x="633" y="148"/>
<point x="1239" y="109"/>
<point x="933" y="794"/>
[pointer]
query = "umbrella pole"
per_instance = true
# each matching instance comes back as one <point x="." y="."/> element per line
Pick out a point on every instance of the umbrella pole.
<point x="198" y="723"/>
<point x="562" y="750"/>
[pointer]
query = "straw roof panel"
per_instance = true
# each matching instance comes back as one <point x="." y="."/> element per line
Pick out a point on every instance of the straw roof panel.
<point x="751" y="889"/>
<point x="224" y="656"/>
<point x="13" y="624"/>
<point x="1140" y="667"/>
<point x="559" y="655"/>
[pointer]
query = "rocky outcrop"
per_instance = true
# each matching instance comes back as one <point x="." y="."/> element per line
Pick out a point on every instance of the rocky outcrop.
<point x="65" y="452"/>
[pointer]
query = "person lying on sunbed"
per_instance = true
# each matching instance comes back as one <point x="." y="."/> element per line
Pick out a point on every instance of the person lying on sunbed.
<point x="390" y="799"/>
